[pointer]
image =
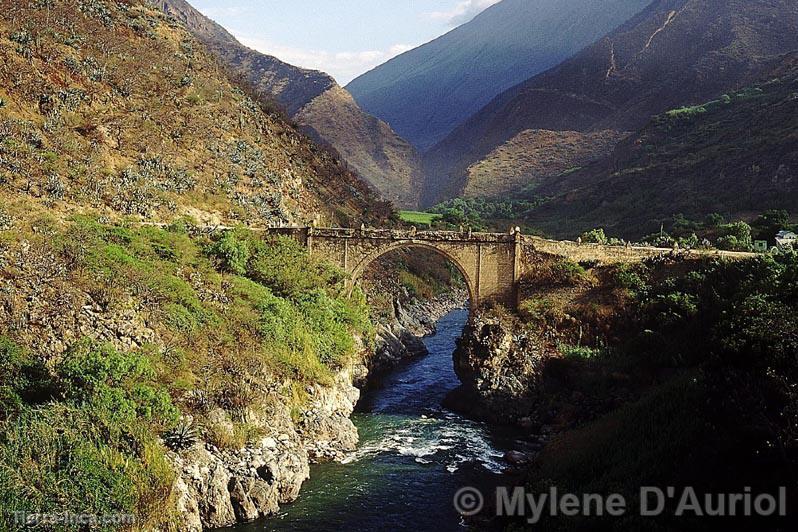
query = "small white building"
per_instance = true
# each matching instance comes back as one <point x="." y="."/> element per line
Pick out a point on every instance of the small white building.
<point x="787" y="239"/>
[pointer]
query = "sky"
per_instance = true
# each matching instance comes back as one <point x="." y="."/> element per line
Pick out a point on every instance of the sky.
<point x="344" y="38"/>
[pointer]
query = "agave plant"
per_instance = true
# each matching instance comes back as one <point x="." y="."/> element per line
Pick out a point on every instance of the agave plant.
<point x="182" y="437"/>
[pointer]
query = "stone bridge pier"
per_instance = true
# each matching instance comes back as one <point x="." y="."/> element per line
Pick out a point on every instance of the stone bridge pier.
<point x="489" y="263"/>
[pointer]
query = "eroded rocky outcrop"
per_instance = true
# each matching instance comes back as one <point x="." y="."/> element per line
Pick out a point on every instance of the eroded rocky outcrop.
<point x="500" y="370"/>
<point x="216" y="487"/>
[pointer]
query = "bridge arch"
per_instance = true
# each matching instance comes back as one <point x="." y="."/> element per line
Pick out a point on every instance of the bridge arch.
<point x="376" y="254"/>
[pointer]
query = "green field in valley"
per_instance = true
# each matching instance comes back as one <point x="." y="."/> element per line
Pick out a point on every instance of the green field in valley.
<point x="421" y="218"/>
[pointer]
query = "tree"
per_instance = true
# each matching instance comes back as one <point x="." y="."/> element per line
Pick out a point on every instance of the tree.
<point x="769" y="223"/>
<point x="715" y="220"/>
<point x="735" y="237"/>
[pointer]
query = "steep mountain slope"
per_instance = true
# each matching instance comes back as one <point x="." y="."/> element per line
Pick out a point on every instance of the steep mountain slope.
<point x="533" y="157"/>
<point x="318" y="105"/>
<point x="737" y="155"/>
<point x="110" y="106"/>
<point x="674" y="53"/>
<point x="367" y="144"/>
<point x="425" y="93"/>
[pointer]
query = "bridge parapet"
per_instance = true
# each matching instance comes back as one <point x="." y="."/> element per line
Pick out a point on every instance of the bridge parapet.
<point x="605" y="254"/>
<point x="402" y="234"/>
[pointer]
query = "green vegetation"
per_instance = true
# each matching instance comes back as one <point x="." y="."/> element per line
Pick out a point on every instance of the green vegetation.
<point x="769" y="223"/>
<point x="238" y="315"/>
<point x="581" y="352"/>
<point x="82" y="437"/>
<point x="537" y="310"/>
<point x="735" y="237"/>
<point x="711" y="347"/>
<point x="425" y="219"/>
<point x="482" y="213"/>
<point x="594" y="236"/>
<point x="727" y="99"/>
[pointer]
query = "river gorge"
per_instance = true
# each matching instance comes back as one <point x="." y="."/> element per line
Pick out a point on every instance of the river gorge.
<point x="413" y="454"/>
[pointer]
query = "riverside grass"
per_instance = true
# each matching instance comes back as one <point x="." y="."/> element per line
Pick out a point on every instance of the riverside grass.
<point x="82" y="432"/>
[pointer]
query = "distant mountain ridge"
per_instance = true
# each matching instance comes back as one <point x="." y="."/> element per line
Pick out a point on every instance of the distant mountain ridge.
<point x="675" y="52"/>
<point x="319" y="106"/>
<point x="427" y="92"/>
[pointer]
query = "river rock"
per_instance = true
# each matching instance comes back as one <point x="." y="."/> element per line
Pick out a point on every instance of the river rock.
<point x="516" y="458"/>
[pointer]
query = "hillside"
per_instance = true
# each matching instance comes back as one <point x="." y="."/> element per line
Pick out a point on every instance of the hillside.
<point x="534" y="157"/>
<point x="148" y="371"/>
<point x="676" y="52"/>
<point x="737" y="155"/>
<point x="113" y="108"/>
<point x="319" y="106"/>
<point x="427" y="92"/>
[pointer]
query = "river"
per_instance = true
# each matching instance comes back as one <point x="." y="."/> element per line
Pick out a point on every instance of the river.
<point x="413" y="456"/>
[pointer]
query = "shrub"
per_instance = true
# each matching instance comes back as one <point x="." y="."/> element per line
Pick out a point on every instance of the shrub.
<point x="594" y="236"/>
<point x="735" y="237"/>
<point x="91" y="448"/>
<point x="568" y="272"/>
<point x="22" y="379"/>
<point x="284" y="265"/>
<point x="629" y="279"/>
<point x="580" y="352"/>
<point x="117" y="387"/>
<point x="232" y="250"/>
<point x="536" y="310"/>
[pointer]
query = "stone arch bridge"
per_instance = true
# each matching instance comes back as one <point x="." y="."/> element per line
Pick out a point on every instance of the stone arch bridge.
<point x="491" y="263"/>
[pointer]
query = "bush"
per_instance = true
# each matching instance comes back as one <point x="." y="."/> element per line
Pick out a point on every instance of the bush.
<point x="92" y="446"/>
<point x="580" y="352"/>
<point x="57" y="459"/>
<point x="629" y="279"/>
<point x="735" y="237"/>
<point x="22" y="379"/>
<point x="285" y="267"/>
<point x="232" y="251"/>
<point x="537" y="310"/>
<point x="567" y="272"/>
<point x="594" y="236"/>
<point x="117" y="387"/>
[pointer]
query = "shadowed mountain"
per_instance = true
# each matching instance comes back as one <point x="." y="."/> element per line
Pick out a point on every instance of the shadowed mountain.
<point x="319" y="106"/>
<point x="675" y="52"/>
<point x="736" y="155"/>
<point x="426" y="92"/>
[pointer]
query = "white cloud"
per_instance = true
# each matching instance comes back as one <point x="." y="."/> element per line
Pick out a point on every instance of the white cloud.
<point x="343" y="66"/>
<point x="463" y="11"/>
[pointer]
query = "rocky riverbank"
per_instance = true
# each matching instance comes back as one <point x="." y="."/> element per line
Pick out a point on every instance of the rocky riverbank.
<point x="217" y="488"/>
